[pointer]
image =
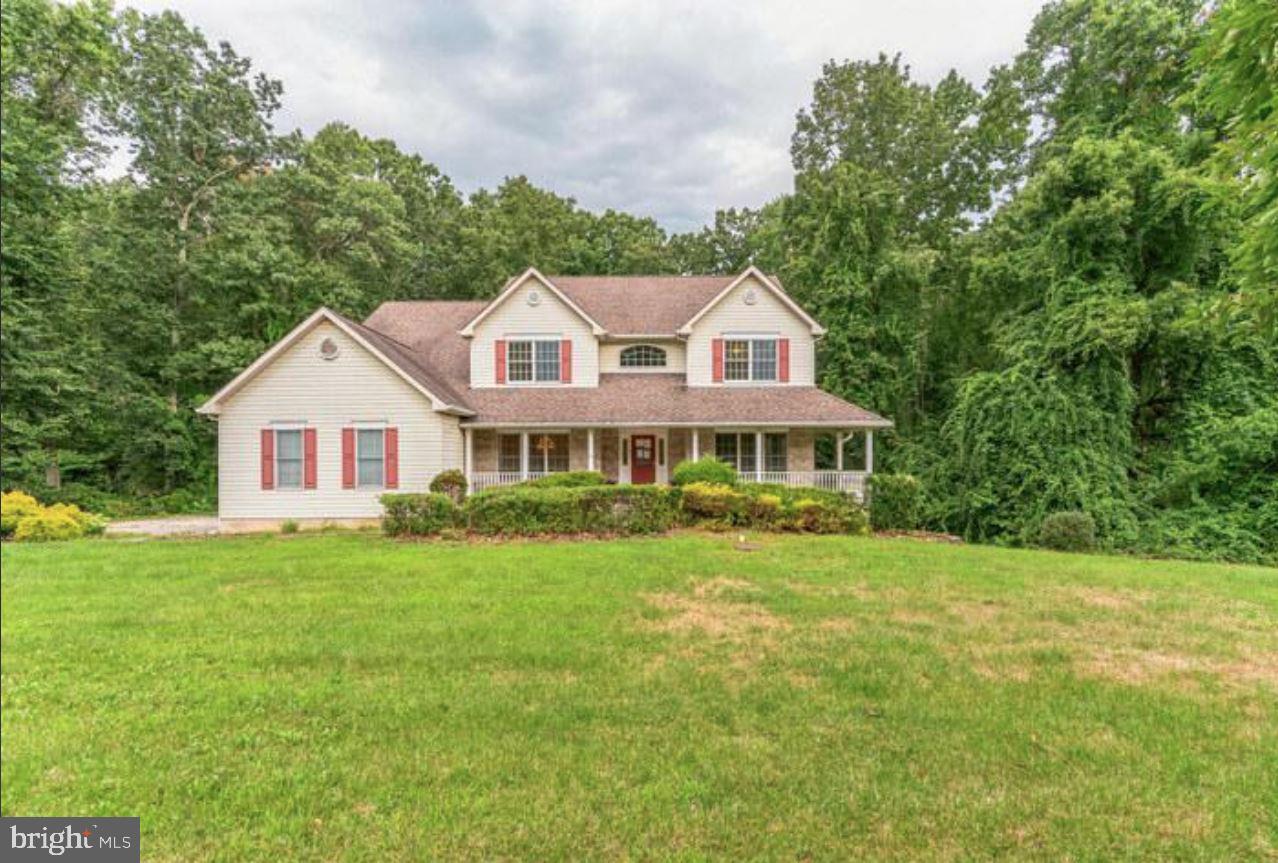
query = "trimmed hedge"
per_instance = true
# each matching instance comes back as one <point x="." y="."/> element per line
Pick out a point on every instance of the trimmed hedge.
<point x="706" y="469"/>
<point x="418" y="514"/>
<point x="452" y="483"/>
<point x="895" y="501"/>
<point x="567" y="479"/>
<point x="603" y="509"/>
<point x="1068" y="531"/>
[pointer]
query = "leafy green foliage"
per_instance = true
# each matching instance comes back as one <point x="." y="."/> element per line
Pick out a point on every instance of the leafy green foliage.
<point x="452" y="483"/>
<point x="895" y="501"/>
<point x="706" y="469"/>
<point x="1068" y="531"/>
<point x="605" y="509"/>
<point x="568" y="479"/>
<point x="418" y="514"/>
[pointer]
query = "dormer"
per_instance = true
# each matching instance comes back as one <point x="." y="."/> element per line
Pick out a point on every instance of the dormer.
<point x="751" y="334"/>
<point x="533" y="335"/>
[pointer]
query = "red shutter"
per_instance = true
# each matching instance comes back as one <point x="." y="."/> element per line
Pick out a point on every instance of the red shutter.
<point x="716" y="347"/>
<point x="390" y="453"/>
<point x="268" y="458"/>
<point x="565" y="361"/>
<point x="783" y="360"/>
<point x="348" y="458"/>
<point x="308" y="458"/>
<point x="500" y="347"/>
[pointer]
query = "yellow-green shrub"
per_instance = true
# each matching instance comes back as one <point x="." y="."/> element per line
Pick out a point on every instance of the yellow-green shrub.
<point x="15" y="506"/>
<point x="47" y="524"/>
<point x="89" y="523"/>
<point x="709" y="500"/>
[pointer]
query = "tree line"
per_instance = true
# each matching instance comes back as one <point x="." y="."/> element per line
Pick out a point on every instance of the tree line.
<point x="1059" y="282"/>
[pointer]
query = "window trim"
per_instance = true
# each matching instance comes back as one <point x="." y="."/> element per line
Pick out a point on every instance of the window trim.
<point x="359" y="429"/>
<point x="750" y="339"/>
<point x="643" y="367"/>
<point x="300" y="429"/>
<point x="760" y="458"/>
<point x="533" y="339"/>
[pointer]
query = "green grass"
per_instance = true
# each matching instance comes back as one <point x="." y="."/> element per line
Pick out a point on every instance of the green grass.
<point x="347" y="697"/>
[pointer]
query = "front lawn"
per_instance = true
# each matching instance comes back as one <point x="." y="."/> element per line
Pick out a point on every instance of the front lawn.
<point x="349" y="697"/>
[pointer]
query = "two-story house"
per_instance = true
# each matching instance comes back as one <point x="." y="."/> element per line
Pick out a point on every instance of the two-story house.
<point x="624" y="375"/>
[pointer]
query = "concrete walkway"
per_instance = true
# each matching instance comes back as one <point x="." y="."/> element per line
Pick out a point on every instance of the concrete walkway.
<point x="176" y="525"/>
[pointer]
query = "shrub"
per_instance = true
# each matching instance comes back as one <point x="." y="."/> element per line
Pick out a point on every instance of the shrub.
<point x="417" y="514"/>
<point x="15" y="506"/>
<point x="567" y="479"/>
<point x="712" y="501"/>
<point x="706" y="469"/>
<point x="529" y="511"/>
<point x="47" y="524"/>
<point x="823" y="516"/>
<point x="763" y="510"/>
<point x="290" y="526"/>
<point x="895" y="501"/>
<point x="89" y="523"/>
<point x="452" y="483"/>
<point x="1068" y="531"/>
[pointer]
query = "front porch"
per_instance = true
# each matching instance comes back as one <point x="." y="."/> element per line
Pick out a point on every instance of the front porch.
<point x="825" y="458"/>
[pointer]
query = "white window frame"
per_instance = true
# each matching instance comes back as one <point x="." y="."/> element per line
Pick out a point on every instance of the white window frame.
<point x="643" y="367"/>
<point x="359" y="430"/>
<point x="538" y="462"/>
<point x="750" y="339"/>
<point x="275" y="458"/>
<point x="761" y="457"/>
<point x="533" y="340"/>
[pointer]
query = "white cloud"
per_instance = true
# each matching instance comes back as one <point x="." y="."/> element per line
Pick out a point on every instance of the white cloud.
<point x="663" y="109"/>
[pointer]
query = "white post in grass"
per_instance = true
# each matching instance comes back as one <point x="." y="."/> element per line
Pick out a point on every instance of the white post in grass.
<point x="838" y="451"/>
<point x="590" y="449"/>
<point x="758" y="456"/>
<point x="523" y="455"/>
<point x="468" y="435"/>
<point x="696" y="444"/>
<point x="869" y="451"/>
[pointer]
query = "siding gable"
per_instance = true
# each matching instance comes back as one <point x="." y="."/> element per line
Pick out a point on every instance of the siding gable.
<point x="550" y="317"/>
<point x="766" y="314"/>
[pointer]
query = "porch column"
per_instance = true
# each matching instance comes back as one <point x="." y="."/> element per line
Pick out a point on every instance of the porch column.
<point x="838" y="451"/>
<point x="523" y="455"/>
<point x="590" y="449"/>
<point x="696" y="443"/>
<point x="869" y="451"/>
<point x="468" y="459"/>
<point x="758" y="456"/>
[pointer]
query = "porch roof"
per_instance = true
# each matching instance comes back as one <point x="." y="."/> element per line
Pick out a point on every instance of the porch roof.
<point x="664" y="400"/>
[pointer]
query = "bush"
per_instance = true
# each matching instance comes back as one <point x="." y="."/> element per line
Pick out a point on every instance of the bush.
<point x="706" y="469"/>
<point x="15" y="506"/>
<point x="605" y="509"/>
<point x="1068" y="531"/>
<point x="823" y="516"/>
<point x="46" y="525"/>
<point x="895" y="501"/>
<point x="417" y="514"/>
<point x="567" y="479"/>
<point x="717" y="502"/>
<point x="451" y="483"/>
<point x="763" y="510"/>
<point x="290" y="526"/>
<point x="89" y="523"/>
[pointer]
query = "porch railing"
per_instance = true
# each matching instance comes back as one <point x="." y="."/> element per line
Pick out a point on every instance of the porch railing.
<point x="482" y="480"/>
<point x="848" y="481"/>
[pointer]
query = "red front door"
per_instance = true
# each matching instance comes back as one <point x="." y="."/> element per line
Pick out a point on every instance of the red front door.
<point x="643" y="459"/>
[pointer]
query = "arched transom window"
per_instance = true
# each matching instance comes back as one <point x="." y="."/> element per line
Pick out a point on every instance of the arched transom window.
<point x="643" y="357"/>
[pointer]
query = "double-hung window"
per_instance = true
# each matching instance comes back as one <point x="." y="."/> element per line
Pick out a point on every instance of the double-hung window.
<point x="532" y="360"/>
<point x="370" y="458"/>
<point x="750" y="359"/>
<point x="288" y="458"/>
<point x="738" y="449"/>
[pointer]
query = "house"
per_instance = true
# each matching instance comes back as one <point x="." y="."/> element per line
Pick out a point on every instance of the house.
<point x="625" y="375"/>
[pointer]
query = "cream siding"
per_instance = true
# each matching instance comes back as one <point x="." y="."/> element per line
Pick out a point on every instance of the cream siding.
<point x="551" y="317"/>
<point x="610" y="356"/>
<point x="767" y="315"/>
<point x="301" y="388"/>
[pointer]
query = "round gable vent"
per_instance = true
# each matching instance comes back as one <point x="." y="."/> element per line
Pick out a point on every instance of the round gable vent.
<point x="534" y="298"/>
<point x="329" y="349"/>
<point x="750" y="297"/>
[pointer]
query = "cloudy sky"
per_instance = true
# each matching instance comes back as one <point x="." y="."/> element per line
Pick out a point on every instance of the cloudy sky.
<point x="664" y="109"/>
